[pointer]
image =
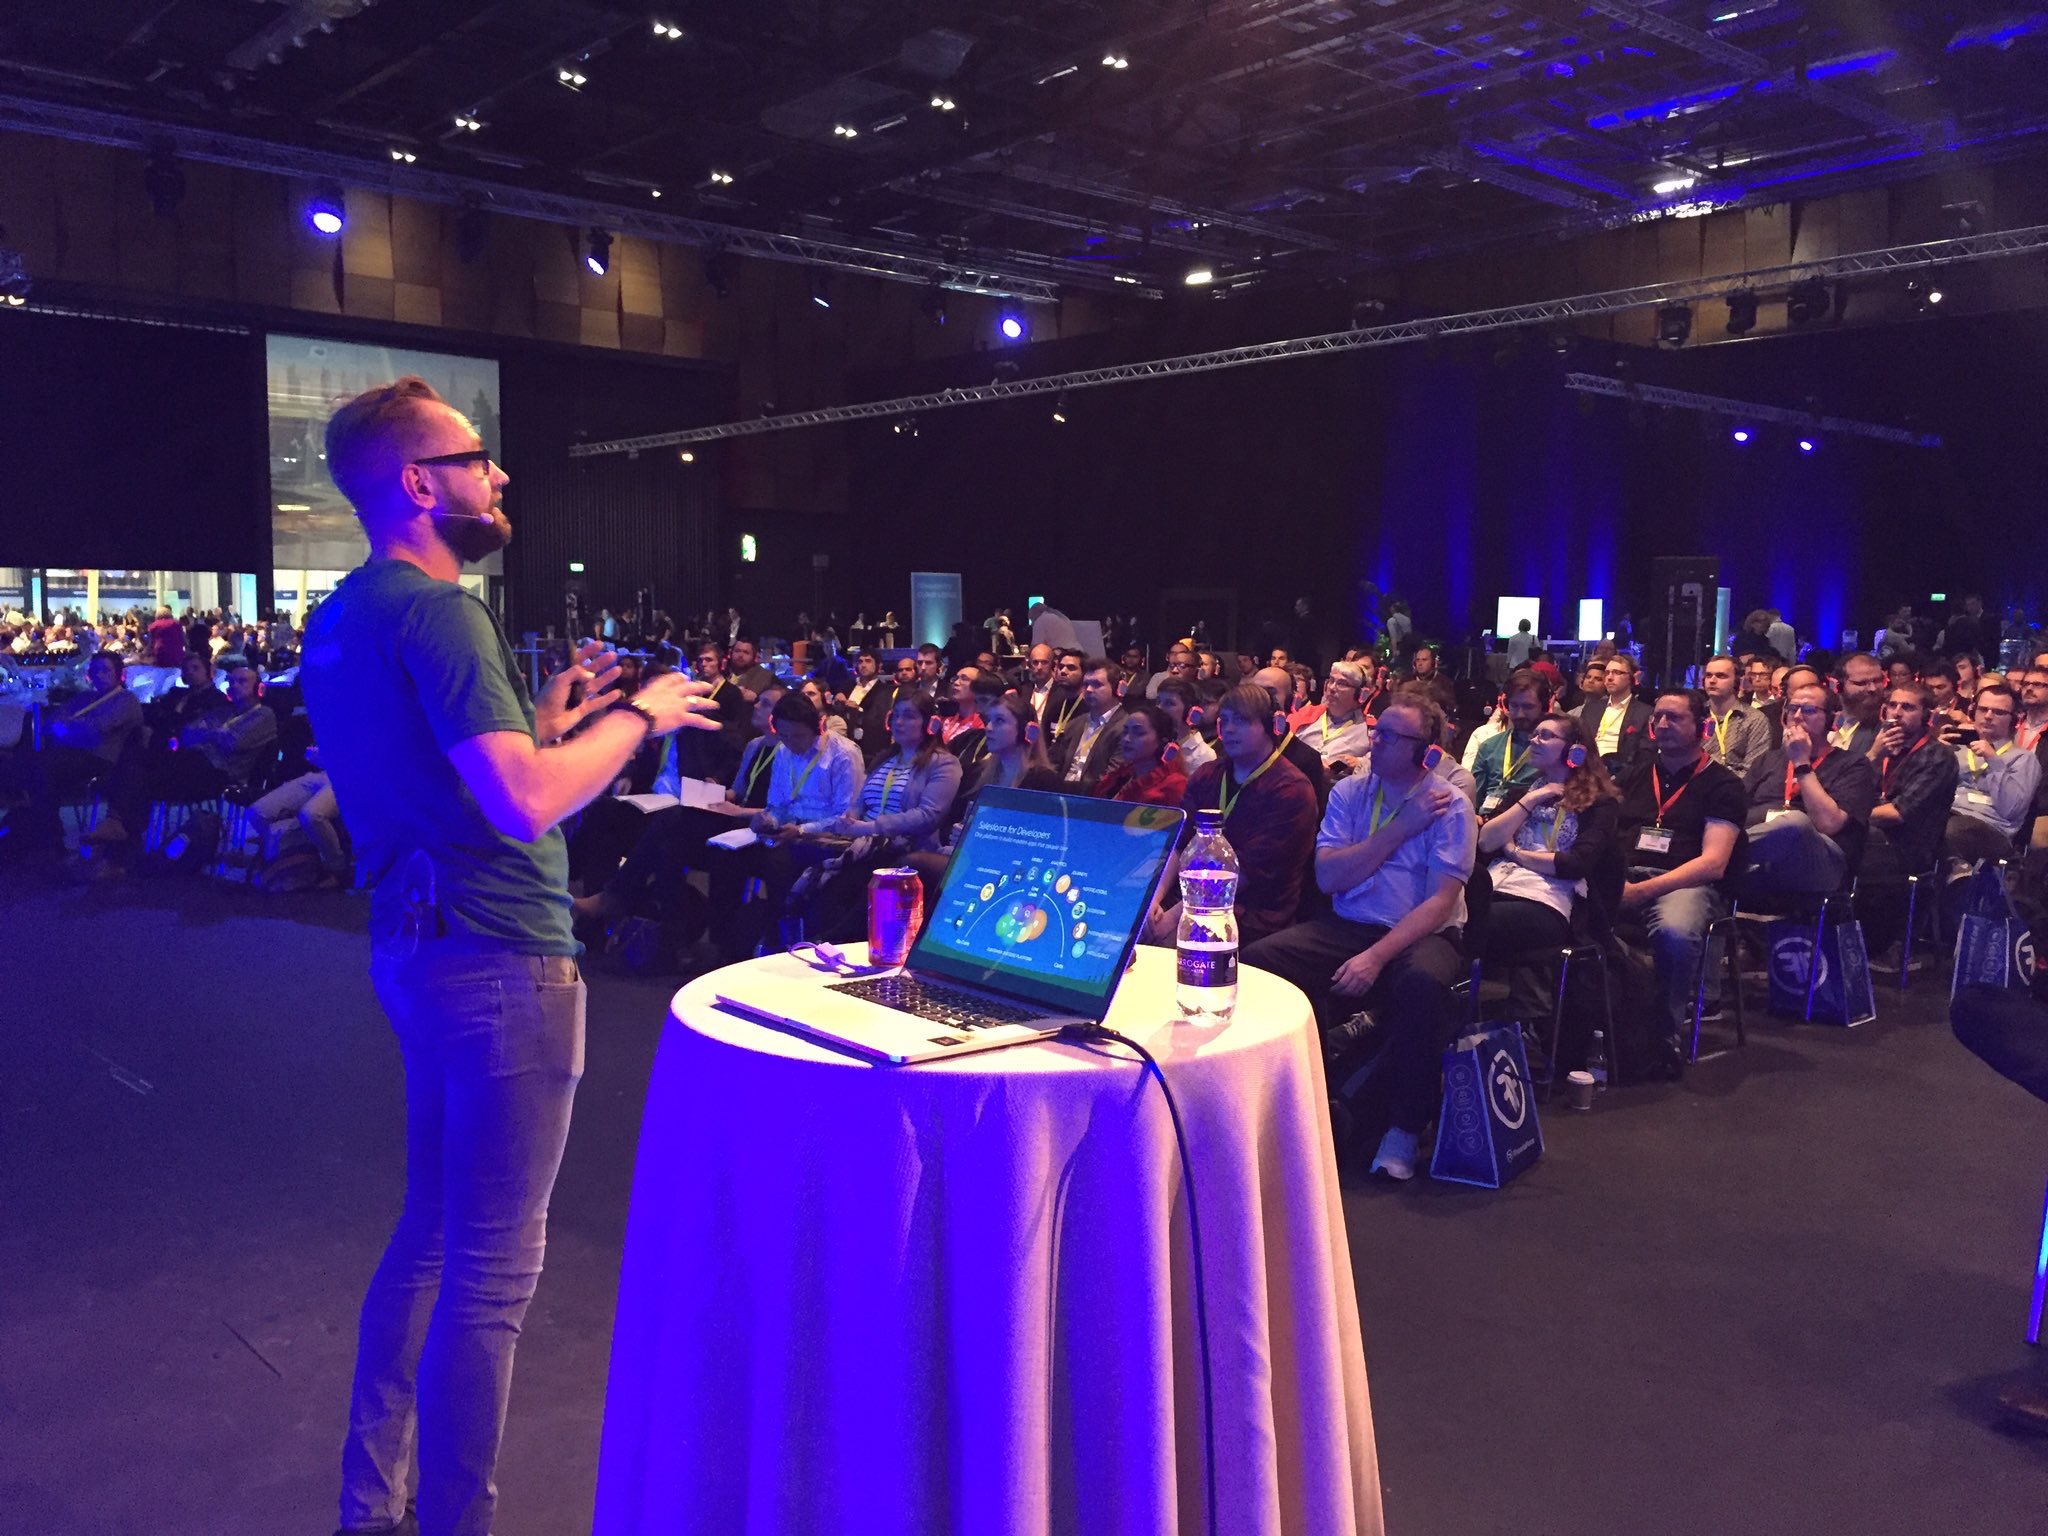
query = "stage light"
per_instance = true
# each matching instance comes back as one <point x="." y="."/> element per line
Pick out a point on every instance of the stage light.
<point x="819" y="296"/>
<point x="1675" y="184"/>
<point x="1806" y="302"/>
<point x="1115" y="60"/>
<point x="841" y="130"/>
<point x="164" y="181"/>
<point x="467" y="123"/>
<point x="326" y="211"/>
<point x="1741" y="312"/>
<point x="1012" y="327"/>
<point x="1934" y="295"/>
<point x="1740" y="434"/>
<point x="668" y="31"/>
<point x="1806" y="445"/>
<point x="1674" y="324"/>
<point x="1059" y="409"/>
<point x="654" y="191"/>
<point x="943" y="103"/>
<point x="575" y="79"/>
<point x="403" y="156"/>
<point x="597" y="253"/>
<point x="1198" y="276"/>
<point x="721" y="178"/>
<point x="687" y="457"/>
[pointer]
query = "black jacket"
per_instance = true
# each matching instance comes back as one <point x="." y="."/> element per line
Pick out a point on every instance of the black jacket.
<point x="1635" y="728"/>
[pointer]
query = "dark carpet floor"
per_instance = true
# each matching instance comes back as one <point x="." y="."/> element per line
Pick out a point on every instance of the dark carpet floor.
<point x="1779" y="1298"/>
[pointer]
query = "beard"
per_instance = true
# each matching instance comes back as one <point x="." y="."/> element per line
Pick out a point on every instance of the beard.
<point x="472" y="539"/>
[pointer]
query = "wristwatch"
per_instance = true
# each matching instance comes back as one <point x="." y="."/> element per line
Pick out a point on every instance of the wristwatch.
<point x="636" y="707"/>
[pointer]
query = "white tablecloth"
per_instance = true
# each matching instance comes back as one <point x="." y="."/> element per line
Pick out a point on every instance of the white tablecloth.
<point x="958" y="1297"/>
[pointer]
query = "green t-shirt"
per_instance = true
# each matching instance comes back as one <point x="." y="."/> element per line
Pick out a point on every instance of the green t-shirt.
<point x="396" y="668"/>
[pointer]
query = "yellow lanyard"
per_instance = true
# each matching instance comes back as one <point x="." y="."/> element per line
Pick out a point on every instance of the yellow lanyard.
<point x="1981" y="765"/>
<point x="1226" y="797"/>
<point x="1378" y="795"/>
<point x="761" y="761"/>
<point x="817" y="757"/>
<point x="1508" y="765"/>
<point x="1060" y="728"/>
<point x="889" y="778"/>
<point x="1721" y="732"/>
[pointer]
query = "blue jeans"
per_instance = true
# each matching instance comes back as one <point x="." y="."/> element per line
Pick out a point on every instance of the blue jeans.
<point x="1676" y="923"/>
<point x="493" y="1046"/>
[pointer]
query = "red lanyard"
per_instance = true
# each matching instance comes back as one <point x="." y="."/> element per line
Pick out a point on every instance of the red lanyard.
<point x="1792" y="782"/>
<point x="2027" y="742"/>
<point x="1657" y="787"/>
<point x="1884" y="775"/>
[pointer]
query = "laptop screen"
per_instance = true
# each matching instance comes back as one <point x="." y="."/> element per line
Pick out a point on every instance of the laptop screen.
<point x="1045" y="896"/>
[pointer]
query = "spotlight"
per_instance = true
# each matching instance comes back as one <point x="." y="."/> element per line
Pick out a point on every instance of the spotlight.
<point x="472" y="235"/>
<point x="1115" y="60"/>
<point x="1806" y="302"/>
<point x="402" y="156"/>
<point x="467" y="123"/>
<point x="721" y="178"/>
<point x="1934" y="295"/>
<point x="1740" y="434"/>
<point x="1198" y="276"/>
<point x="575" y="79"/>
<point x="1806" y="445"/>
<point x="1741" y="312"/>
<point x="326" y="211"/>
<point x="1674" y="324"/>
<point x="1059" y="409"/>
<point x="164" y="181"/>
<point x="668" y="31"/>
<point x="819" y="295"/>
<point x="1012" y="327"/>
<point x="843" y="131"/>
<point x="687" y="457"/>
<point x="654" y="191"/>
<point x="597" y="252"/>
<point x="943" y="103"/>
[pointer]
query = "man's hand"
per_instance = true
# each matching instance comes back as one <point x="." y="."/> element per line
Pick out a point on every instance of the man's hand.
<point x="1354" y="978"/>
<point x="677" y="702"/>
<point x="1635" y="893"/>
<point x="1891" y="741"/>
<point x="1426" y="804"/>
<point x="1798" y="746"/>
<point x="596" y="668"/>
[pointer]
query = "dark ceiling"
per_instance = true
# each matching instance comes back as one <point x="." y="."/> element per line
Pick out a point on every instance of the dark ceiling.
<point x="1251" y="137"/>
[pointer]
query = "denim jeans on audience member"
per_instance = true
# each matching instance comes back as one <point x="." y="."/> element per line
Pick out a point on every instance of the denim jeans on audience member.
<point x="1676" y="923"/>
<point x="493" y="1047"/>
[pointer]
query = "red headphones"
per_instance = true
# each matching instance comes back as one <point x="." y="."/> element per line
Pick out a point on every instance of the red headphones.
<point x="1194" y="717"/>
<point x="1576" y="757"/>
<point x="1279" y="723"/>
<point x="934" y="726"/>
<point x="1431" y="756"/>
<point x="1031" y="732"/>
<point x="1170" y="754"/>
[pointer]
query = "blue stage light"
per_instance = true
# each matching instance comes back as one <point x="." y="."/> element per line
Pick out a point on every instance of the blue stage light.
<point x="1806" y="445"/>
<point x="326" y="212"/>
<point x="1741" y="434"/>
<point x="1012" y="328"/>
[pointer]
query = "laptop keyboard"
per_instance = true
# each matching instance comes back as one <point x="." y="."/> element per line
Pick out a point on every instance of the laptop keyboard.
<point x="940" y="1004"/>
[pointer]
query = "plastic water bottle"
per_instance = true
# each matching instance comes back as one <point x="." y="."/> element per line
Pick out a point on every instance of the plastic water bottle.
<point x="1206" y="943"/>
<point x="1596" y="1058"/>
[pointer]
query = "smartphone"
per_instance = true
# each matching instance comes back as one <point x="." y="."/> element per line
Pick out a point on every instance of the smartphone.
<point x="576" y="693"/>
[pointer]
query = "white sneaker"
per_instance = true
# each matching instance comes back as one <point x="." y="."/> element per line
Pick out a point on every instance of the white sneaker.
<point x="1396" y="1156"/>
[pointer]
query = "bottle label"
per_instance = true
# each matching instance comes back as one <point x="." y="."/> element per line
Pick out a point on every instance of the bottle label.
<point x="1208" y="967"/>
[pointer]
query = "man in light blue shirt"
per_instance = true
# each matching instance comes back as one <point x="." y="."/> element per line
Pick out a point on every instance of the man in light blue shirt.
<point x="1394" y="853"/>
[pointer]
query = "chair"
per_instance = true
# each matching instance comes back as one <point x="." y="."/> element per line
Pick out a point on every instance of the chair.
<point x="1725" y="928"/>
<point x="1821" y="914"/>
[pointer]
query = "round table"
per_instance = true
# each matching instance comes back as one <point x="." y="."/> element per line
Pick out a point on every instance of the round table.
<point x="959" y="1297"/>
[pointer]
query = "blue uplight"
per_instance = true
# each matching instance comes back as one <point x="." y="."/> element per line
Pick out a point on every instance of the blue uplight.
<point x="1012" y="328"/>
<point x="1806" y="445"/>
<point x="1851" y="64"/>
<point x="324" y="211"/>
<point x="1741" y="434"/>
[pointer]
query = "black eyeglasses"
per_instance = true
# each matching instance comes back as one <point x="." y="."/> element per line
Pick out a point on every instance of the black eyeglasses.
<point x="467" y="456"/>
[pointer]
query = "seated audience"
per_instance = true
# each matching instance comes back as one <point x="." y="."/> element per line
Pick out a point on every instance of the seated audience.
<point x="1618" y="720"/>
<point x="85" y="741"/>
<point x="1996" y="782"/>
<point x="1503" y="761"/>
<point x="870" y="721"/>
<point x="1338" y="729"/>
<point x="197" y="700"/>
<point x="1552" y="836"/>
<point x="1394" y="851"/>
<point x="239" y="747"/>
<point x="305" y="807"/>
<point x="1809" y="806"/>
<point x="1088" y="747"/>
<point x="743" y="666"/>
<point x="814" y="778"/>
<point x="1279" y="686"/>
<point x="1269" y="818"/>
<point x="1860" y="685"/>
<point x="1916" y="785"/>
<point x="1063" y="704"/>
<point x="1425" y="672"/>
<point x="1149" y="771"/>
<point x="1682" y="815"/>
<point x="1180" y="665"/>
<point x="1184" y="706"/>
<point x="1736" y="734"/>
<point x="1757" y="690"/>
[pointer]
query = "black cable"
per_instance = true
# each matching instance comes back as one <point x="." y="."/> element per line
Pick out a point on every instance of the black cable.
<point x="1187" y="1176"/>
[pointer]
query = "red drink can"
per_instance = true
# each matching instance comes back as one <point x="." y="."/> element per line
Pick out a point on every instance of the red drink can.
<point x="895" y="911"/>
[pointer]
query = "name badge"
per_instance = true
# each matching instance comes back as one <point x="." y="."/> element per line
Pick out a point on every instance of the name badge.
<point x="1976" y="797"/>
<point x="1774" y="813"/>
<point x="1490" y="804"/>
<point x="1654" y="840"/>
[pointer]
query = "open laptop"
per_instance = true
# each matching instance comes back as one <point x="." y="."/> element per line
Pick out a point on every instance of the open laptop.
<point x="1029" y="933"/>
